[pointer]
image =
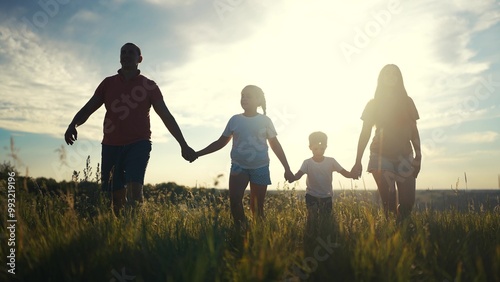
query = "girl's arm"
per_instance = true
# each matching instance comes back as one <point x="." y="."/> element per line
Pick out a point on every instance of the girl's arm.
<point x="215" y="146"/>
<point x="415" y="140"/>
<point x="278" y="150"/>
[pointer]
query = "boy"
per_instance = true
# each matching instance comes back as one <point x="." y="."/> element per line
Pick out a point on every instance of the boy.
<point x="319" y="169"/>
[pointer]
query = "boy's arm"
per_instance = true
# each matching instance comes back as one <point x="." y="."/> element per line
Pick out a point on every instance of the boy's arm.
<point x="168" y="119"/>
<point x="214" y="146"/>
<point x="347" y="174"/>
<point x="278" y="150"/>
<point x="81" y="117"/>
<point x="298" y="175"/>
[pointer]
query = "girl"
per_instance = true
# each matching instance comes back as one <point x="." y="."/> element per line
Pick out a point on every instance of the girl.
<point x="392" y="162"/>
<point x="249" y="153"/>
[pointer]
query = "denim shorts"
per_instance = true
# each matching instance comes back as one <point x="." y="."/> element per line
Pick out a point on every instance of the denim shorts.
<point x="259" y="176"/>
<point x="401" y="167"/>
<point x="124" y="164"/>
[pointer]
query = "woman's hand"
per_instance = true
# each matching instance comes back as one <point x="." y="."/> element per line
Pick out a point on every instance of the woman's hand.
<point x="416" y="163"/>
<point x="189" y="154"/>
<point x="289" y="176"/>
<point x="356" y="170"/>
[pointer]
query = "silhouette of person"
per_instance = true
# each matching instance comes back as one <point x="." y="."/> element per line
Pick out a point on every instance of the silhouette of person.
<point x="393" y="162"/>
<point x="126" y="145"/>
<point x="250" y="131"/>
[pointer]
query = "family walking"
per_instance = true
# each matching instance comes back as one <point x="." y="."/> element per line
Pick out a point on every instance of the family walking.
<point x="128" y="96"/>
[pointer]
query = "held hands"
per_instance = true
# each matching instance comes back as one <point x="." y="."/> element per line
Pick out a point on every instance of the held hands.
<point x="70" y="135"/>
<point x="189" y="154"/>
<point x="289" y="176"/>
<point x="356" y="171"/>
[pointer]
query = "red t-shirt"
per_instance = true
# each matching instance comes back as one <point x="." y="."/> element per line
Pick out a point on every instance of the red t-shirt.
<point x="127" y="105"/>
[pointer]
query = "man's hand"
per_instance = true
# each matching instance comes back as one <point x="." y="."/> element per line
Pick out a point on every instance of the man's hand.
<point x="189" y="154"/>
<point x="71" y="135"/>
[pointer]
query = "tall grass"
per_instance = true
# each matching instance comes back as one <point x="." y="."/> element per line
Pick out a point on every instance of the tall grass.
<point x="187" y="235"/>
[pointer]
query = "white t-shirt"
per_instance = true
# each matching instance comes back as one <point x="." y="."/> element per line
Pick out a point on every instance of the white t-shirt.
<point x="250" y="136"/>
<point x="319" y="176"/>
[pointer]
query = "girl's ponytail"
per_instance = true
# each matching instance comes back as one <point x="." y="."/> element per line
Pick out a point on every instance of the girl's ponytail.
<point x="258" y="90"/>
<point x="263" y="105"/>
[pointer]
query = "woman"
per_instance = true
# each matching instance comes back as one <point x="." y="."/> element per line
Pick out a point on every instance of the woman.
<point x="393" y="162"/>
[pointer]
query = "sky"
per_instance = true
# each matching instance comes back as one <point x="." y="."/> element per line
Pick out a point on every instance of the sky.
<point x="317" y="62"/>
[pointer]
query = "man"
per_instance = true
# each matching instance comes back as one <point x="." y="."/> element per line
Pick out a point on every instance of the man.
<point x="128" y="97"/>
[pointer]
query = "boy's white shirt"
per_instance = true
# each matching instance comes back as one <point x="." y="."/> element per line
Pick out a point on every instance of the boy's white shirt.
<point x="250" y="134"/>
<point x="319" y="176"/>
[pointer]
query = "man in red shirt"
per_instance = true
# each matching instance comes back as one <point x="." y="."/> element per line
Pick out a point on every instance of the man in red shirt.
<point x="128" y="97"/>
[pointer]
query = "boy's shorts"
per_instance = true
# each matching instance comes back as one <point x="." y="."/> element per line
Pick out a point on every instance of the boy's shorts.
<point x="402" y="167"/>
<point x="124" y="164"/>
<point x="259" y="176"/>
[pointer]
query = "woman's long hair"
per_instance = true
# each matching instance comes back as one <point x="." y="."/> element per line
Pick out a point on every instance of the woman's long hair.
<point x="391" y="98"/>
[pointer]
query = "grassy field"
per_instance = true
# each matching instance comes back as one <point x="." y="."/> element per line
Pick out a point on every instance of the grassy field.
<point x="66" y="232"/>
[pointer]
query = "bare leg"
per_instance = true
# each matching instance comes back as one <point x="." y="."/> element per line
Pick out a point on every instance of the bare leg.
<point x="386" y="188"/>
<point x="118" y="200"/>
<point x="134" y="192"/>
<point x="406" y="195"/>
<point x="237" y="184"/>
<point x="257" y="197"/>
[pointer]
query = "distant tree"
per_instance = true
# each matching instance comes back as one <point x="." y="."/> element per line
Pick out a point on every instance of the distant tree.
<point x="7" y="167"/>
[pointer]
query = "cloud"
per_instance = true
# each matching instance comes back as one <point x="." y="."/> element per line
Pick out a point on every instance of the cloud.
<point x="170" y="3"/>
<point x="488" y="18"/>
<point x="202" y="57"/>
<point x="84" y="16"/>
<point x="477" y="137"/>
<point x="42" y="85"/>
<point x="450" y="71"/>
<point x="294" y="55"/>
<point x="475" y="7"/>
<point x="455" y="116"/>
